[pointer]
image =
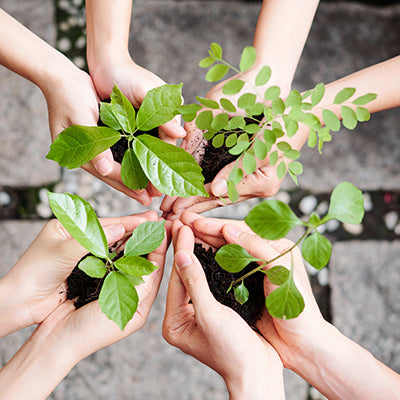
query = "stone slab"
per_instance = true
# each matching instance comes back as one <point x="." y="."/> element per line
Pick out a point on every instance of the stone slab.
<point x="23" y="113"/>
<point x="365" y="278"/>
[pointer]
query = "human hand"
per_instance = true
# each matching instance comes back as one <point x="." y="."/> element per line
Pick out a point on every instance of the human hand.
<point x="214" y="334"/>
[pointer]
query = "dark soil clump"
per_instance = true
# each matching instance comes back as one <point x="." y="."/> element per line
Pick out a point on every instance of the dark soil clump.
<point x="219" y="281"/>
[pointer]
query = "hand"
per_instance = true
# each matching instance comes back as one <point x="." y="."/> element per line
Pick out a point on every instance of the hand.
<point x="214" y="334"/>
<point x="37" y="281"/>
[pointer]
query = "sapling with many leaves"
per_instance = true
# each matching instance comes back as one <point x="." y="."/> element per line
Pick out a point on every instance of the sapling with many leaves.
<point x="273" y="220"/>
<point x="169" y="168"/>
<point x="118" y="298"/>
<point x="263" y="130"/>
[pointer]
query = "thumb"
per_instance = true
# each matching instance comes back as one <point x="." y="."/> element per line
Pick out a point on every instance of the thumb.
<point x="104" y="163"/>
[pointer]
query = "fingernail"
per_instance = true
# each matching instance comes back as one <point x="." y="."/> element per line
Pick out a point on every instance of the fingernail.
<point x="220" y="187"/>
<point x="116" y="231"/>
<point x="104" y="166"/>
<point x="183" y="259"/>
<point x="232" y="230"/>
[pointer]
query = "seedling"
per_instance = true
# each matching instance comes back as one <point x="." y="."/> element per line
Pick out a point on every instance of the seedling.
<point x="279" y="120"/>
<point x="273" y="220"/>
<point x="118" y="297"/>
<point x="169" y="168"/>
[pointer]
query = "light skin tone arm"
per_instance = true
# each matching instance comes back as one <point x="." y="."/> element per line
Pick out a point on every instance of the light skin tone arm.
<point x="214" y="334"/>
<point x="310" y="346"/>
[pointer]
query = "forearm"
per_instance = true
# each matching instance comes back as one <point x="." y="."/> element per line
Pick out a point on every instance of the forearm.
<point x="28" y="55"/>
<point x="342" y="370"/>
<point x="281" y="32"/>
<point x="107" y="24"/>
<point x="36" y="369"/>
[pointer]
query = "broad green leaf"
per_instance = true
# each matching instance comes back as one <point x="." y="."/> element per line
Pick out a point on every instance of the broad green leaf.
<point x="208" y="102"/>
<point x="227" y="105"/>
<point x="218" y="140"/>
<point x="216" y="72"/>
<point x="189" y="117"/>
<point x="233" y="258"/>
<point x="273" y="158"/>
<point x="316" y="250"/>
<point x="365" y="99"/>
<point x="317" y="94"/>
<point x="233" y="86"/>
<point x="79" y="219"/>
<point x="331" y="120"/>
<point x="189" y="108"/>
<point x="346" y="204"/>
<point x="108" y="117"/>
<point x="362" y="114"/>
<point x="249" y="163"/>
<point x="206" y="62"/>
<point x="237" y="122"/>
<point x="260" y="150"/>
<point x="233" y="194"/>
<point x="236" y="175"/>
<point x="294" y="99"/>
<point x="123" y="110"/>
<point x="263" y="76"/>
<point x="241" y="293"/>
<point x="277" y="275"/>
<point x="272" y="93"/>
<point x="134" y="280"/>
<point x="204" y="120"/>
<point x="247" y="59"/>
<point x="93" y="267"/>
<point x="118" y="299"/>
<point x="239" y="148"/>
<point x="344" y="95"/>
<point x="216" y="50"/>
<point x="159" y="106"/>
<point x="132" y="173"/>
<point x="286" y="301"/>
<point x="220" y="121"/>
<point x="272" y="219"/>
<point x="281" y="170"/>
<point x="278" y="106"/>
<point x="146" y="238"/>
<point x="135" y="265"/>
<point x="349" y="117"/>
<point x="231" y="140"/>
<point x="77" y="145"/>
<point x="246" y="100"/>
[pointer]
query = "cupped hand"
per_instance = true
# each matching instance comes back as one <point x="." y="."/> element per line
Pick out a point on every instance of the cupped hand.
<point x="212" y="333"/>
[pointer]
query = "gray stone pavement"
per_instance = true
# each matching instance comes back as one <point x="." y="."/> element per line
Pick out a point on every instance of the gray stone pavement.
<point x="344" y="38"/>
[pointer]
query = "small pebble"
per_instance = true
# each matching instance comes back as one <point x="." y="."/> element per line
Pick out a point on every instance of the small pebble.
<point x="332" y="225"/>
<point x="368" y="205"/>
<point x="321" y="229"/>
<point x="77" y="3"/>
<point x="64" y="26"/>
<point x="5" y="198"/>
<point x="43" y="196"/>
<point x="79" y="62"/>
<point x="397" y="229"/>
<point x="316" y="395"/>
<point x="282" y="196"/>
<point x="80" y="43"/>
<point x="323" y="277"/>
<point x="307" y="204"/>
<point x="391" y="218"/>
<point x="322" y="208"/>
<point x="353" y="229"/>
<point x="310" y="269"/>
<point x="64" y="44"/>
<point x="43" y="210"/>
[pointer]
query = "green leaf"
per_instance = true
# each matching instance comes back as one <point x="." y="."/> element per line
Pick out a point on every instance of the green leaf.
<point x="256" y="109"/>
<point x="231" y="140"/>
<point x="227" y="105"/>
<point x="233" y="86"/>
<point x="362" y="114"/>
<point x="236" y="123"/>
<point x="346" y="204"/>
<point x="331" y="120"/>
<point x="209" y="134"/>
<point x="296" y="167"/>
<point x="123" y="110"/>
<point x="286" y="301"/>
<point x="349" y="117"/>
<point x="134" y="280"/>
<point x="77" y="145"/>
<point x="272" y="219"/>
<point x="220" y="121"/>
<point x="236" y="175"/>
<point x="216" y="72"/>
<point x="247" y="59"/>
<point x="273" y="158"/>
<point x="263" y="76"/>
<point x="79" y="219"/>
<point x="311" y="120"/>
<point x="251" y="129"/>
<point x="278" y="106"/>
<point x="272" y="93"/>
<point x="365" y="99"/>
<point x="108" y="117"/>
<point x="132" y="173"/>
<point x="292" y="154"/>
<point x="218" y="140"/>
<point x="204" y="120"/>
<point x="118" y="299"/>
<point x="281" y="170"/>
<point x="246" y="100"/>
<point x="206" y="62"/>
<point x="241" y="293"/>
<point x="189" y="108"/>
<point x="135" y="265"/>
<point x="294" y="99"/>
<point x="216" y="50"/>
<point x="269" y="138"/>
<point x="249" y="163"/>
<point x="93" y="267"/>
<point x="189" y="117"/>
<point x="146" y="238"/>
<point x="208" y="103"/>
<point x="159" y="106"/>
<point x="170" y="169"/>
<point x="317" y="94"/>
<point x="316" y="250"/>
<point x="239" y="148"/>
<point x="312" y="138"/>
<point x="260" y="150"/>
<point x="233" y="258"/>
<point x="283" y="146"/>
<point x="277" y="275"/>
<point x="232" y="192"/>
<point x="344" y="95"/>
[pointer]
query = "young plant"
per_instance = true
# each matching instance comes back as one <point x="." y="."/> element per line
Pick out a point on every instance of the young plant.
<point x="264" y="130"/>
<point x="273" y="220"/>
<point x="169" y="168"/>
<point x="118" y="297"/>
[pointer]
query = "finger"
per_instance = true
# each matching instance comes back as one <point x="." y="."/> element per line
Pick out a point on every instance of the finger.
<point x="166" y="204"/>
<point x="173" y="129"/>
<point x="104" y="163"/>
<point x="194" y="137"/>
<point x="176" y="226"/>
<point x="153" y="191"/>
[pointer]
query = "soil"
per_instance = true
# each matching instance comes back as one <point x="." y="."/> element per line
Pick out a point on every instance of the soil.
<point x="219" y="281"/>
